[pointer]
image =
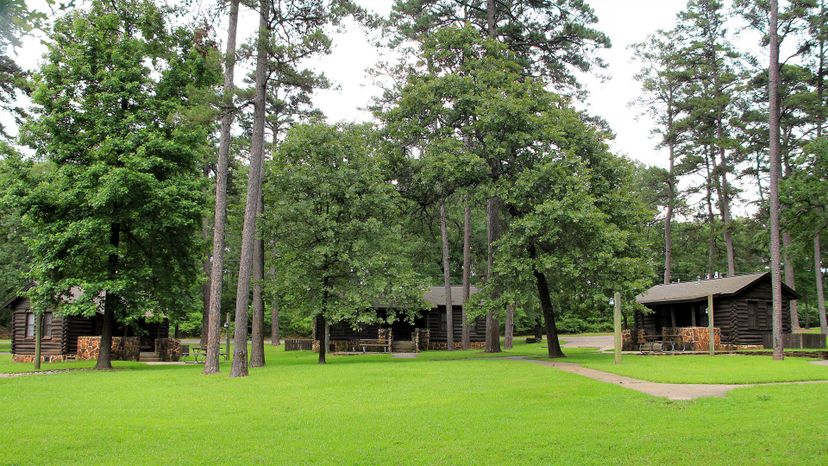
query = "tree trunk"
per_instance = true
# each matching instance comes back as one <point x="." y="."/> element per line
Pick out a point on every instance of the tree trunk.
<point x="492" y="222"/>
<point x="465" y="337"/>
<point x="820" y="284"/>
<point x="211" y="364"/>
<point x="773" y="117"/>
<point x="552" y="344"/>
<point x="323" y="342"/>
<point x="724" y="200"/>
<point x="671" y="200"/>
<point x="446" y="276"/>
<point x="239" y="368"/>
<point x="38" y="317"/>
<point x="275" y="337"/>
<point x="205" y="299"/>
<point x="538" y="328"/>
<point x="205" y="267"/>
<point x="257" y="357"/>
<point x="493" y="233"/>
<point x="509" y="331"/>
<point x="711" y="219"/>
<point x="820" y="281"/>
<point x="790" y="280"/>
<point x="110" y="301"/>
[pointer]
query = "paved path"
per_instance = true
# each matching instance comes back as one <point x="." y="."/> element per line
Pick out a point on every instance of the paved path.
<point x="599" y="341"/>
<point x="12" y="375"/>
<point x="671" y="391"/>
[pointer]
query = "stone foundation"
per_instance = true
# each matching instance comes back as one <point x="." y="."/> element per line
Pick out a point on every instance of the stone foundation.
<point x="43" y="357"/>
<point x="695" y="338"/>
<point x="168" y="349"/>
<point x="123" y="349"/>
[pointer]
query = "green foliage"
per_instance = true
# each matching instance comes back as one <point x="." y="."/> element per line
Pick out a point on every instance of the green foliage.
<point x="115" y="100"/>
<point x="553" y="39"/>
<point x="336" y="226"/>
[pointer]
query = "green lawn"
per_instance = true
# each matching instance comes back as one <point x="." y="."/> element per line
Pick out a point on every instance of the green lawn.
<point x="5" y="346"/>
<point x="442" y="407"/>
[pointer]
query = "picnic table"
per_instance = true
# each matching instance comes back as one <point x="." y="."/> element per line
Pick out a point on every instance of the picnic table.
<point x="201" y="351"/>
<point x="659" y="343"/>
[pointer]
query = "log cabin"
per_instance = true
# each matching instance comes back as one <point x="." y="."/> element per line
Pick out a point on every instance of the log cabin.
<point x="59" y="335"/>
<point x="742" y="307"/>
<point x="411" y="336"/>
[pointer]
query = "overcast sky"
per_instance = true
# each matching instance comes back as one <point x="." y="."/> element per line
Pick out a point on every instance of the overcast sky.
<point x="625" y="21"/>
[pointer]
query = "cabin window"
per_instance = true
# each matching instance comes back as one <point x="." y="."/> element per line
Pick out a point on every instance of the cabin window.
<point x="30" y="325"/>
<point x="443" y="323"/>
<point x="47" y="325"/>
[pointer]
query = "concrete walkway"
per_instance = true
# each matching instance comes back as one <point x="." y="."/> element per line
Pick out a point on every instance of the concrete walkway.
<point x="671" y="391"/>
<point x="13" y="375"/>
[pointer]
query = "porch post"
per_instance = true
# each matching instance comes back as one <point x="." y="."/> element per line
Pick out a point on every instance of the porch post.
<point x="672" y="316"/>
<point x="712" y="333"/>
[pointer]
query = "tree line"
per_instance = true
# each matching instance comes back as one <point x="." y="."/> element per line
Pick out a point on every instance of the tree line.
<point x="152" y="181"/>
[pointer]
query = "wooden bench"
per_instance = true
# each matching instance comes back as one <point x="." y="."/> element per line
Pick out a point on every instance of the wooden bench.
<point x="385" y="344"/>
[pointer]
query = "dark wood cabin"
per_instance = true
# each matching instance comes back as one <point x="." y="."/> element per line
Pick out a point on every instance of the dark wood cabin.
<point x="402" y="331"/>
<point x="742" y="307"/>
<point x="59" y="336"/>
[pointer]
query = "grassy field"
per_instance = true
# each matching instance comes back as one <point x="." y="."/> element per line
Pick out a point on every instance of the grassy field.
<point x="441" y="407"/>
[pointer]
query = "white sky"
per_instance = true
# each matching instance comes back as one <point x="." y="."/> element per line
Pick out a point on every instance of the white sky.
<point x="625" y="21"/>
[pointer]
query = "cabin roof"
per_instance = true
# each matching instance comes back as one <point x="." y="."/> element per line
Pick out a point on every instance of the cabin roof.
<point x="697" y="290"/>
<point x="436" y="295"/>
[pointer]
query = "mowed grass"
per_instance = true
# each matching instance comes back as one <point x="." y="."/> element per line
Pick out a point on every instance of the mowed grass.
<point x="438" y="408"/>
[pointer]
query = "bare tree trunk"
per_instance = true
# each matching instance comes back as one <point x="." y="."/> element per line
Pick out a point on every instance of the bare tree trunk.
<point x="492" y="224"/>
<point x="820" y="280"/>
<point x="211" y="364"/>
<point x="239" y="368"/>
<point x="711" y="220"/>
<point x="671" y="200"/>
<point x="493" y="233"/>
<point x="552" y="344"/>
<point x="205" y="297"/>
<point x="104" y="361"/>
<point x="275" y="337"/>
<point x="820" y="284"/>
<point x="773" y="117"/>
<point x="539" y="328"/>
<point x="205" y="288"/>
<point x="790" y="280"/>
<point x="725" y="211"/>
<point x="466" y="338"/>
<point x="257" y="357"/>
<point x="446" y="275"/>
<point x="323" y="342"/>
<point x="509" y="331"/>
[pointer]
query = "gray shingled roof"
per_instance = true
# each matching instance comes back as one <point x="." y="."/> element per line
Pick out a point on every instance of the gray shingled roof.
<point x="436" y="296"/>
<point x="695" y="290"/>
